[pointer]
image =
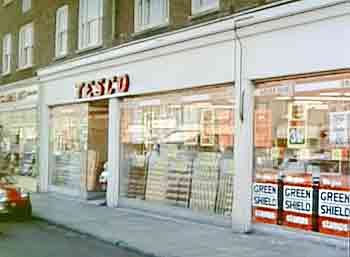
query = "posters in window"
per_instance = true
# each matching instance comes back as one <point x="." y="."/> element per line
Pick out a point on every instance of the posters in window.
<point x="339" y="124"/>
<point x="297" y="126"/>
<point x="263" y="128"/>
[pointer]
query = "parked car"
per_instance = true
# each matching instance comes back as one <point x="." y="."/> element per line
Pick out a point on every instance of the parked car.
<point x="14" y="202"/>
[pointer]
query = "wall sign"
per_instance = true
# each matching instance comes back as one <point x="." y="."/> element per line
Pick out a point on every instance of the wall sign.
<point x="29" y="94"/>
<point x="297" y="199"/>
<point x="265" y="195"/>
<point x="103" y="87"/>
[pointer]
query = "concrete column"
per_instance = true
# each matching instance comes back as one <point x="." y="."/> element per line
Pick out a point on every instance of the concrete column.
<point x="242" y="210"/>
<point x="243" y="155"/>
<point x="44" y="141"/>
<point x="113" y="152"/>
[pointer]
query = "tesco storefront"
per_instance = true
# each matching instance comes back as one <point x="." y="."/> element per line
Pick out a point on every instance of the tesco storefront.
<point x="208" y="137"/>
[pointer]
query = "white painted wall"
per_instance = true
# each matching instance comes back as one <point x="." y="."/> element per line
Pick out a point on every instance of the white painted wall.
<point x="313" y="47"/>
<point x="205" y="65"/>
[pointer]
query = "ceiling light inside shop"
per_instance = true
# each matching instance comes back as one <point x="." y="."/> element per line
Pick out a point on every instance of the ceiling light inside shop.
<point x="283" y="98"/>
<point x="331" y="94"/>
<point x="312" y="103"/>
<point x="311" y="98"/>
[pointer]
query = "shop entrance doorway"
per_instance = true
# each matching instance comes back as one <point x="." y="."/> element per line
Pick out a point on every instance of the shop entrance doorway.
<point x="78" y="149"/>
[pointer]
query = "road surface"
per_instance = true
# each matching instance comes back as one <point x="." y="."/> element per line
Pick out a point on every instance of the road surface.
<point x="39" y="239"/>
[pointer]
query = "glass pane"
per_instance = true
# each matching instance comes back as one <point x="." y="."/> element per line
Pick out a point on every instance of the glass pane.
<point x="177" y="149"/>
<point x="18" y="142"/>
<point x="69" y="131"/>
<point x="302" y="149"/>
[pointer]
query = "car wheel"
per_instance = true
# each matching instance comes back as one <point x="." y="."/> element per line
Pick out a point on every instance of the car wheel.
<point x="24" y="214"/>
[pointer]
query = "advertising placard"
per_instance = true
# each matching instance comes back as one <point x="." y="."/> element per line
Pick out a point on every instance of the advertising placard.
<point x="334" y="212"/>
<point x="297" y="199"/>
<point x="265" y="195"/>
<point x="334" y="204"/>
<point x="265" y="202"/>
<point x="298" y="206"/>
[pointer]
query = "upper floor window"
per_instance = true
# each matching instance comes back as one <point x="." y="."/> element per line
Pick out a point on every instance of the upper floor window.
<point x="26" y="5"/>
<point x="199" y="6"/>
<point x="61" y="31"/>
<point x="90" y="23"/>
<point x="6" y="54"/>
<point x="26" y="43"/>
<point x="151" y="13"/>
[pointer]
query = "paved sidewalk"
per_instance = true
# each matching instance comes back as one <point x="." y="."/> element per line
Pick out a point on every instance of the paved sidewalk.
<point x="165" y="237"/>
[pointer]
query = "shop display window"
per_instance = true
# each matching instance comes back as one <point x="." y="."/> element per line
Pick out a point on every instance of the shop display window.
<point x="302" y="151"/>
<point x="177" y="149"/>
<point x="18" y="147"/>
<point x="79" y="146"/>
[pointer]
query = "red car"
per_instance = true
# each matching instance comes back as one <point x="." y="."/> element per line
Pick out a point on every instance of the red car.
<point x="14" y="201"/>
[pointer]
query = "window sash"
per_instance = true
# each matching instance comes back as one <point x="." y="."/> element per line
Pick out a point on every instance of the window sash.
<point x="204" y="5"/>
<point x="62" y="31"/>
<point x="7" y="50"/>
<point x="26" y="5"/>
<point x="26" y="46"/>
<point x="91" y="19"/>
<point x="151" y="13"/>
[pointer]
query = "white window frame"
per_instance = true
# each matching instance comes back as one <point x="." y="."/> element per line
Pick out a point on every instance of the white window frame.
<point x="85" y="23"/>
<point x="198" y="6"/>
<point x="6" y="2"/>
<point x="26" y="5"/>
<point x="142" y="15"/>
<point x="6" y="54"/>
<point x="61" y="39"/>
<point x="26" y="46"/>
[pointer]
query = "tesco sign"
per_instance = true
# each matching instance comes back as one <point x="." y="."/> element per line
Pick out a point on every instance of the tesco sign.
<point x="103" y="87"/>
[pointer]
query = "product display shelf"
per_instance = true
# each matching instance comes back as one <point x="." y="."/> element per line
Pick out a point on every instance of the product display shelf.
<point x="179" y="180"/>
<point x="157" y="179"/>
<point x="225" y="190"/>
<point x="205" y="182"/>
<point x="68" y="170"/>
<point x="137" y="179"/>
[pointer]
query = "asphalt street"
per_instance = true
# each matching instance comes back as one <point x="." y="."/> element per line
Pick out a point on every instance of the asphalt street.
<point x="39" y="239"/>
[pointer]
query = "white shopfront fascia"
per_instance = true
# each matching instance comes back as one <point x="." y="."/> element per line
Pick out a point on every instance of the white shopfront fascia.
<point x="296" y="38"/>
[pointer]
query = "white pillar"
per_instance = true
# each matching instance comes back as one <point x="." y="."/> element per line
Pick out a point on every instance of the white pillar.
<point x="113" y="152"/>
<point x="44" y="134"/>
<point x="242" y="210"/>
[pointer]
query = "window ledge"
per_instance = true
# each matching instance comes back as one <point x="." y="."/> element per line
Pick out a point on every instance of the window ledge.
<point x="27" y="67"/>
<point x="204" y="12"/>
<point x="60" y="57"/>
<point x="85" y="49"/>
<point x="5" y="74"/>
<point x="149" y="29"/>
